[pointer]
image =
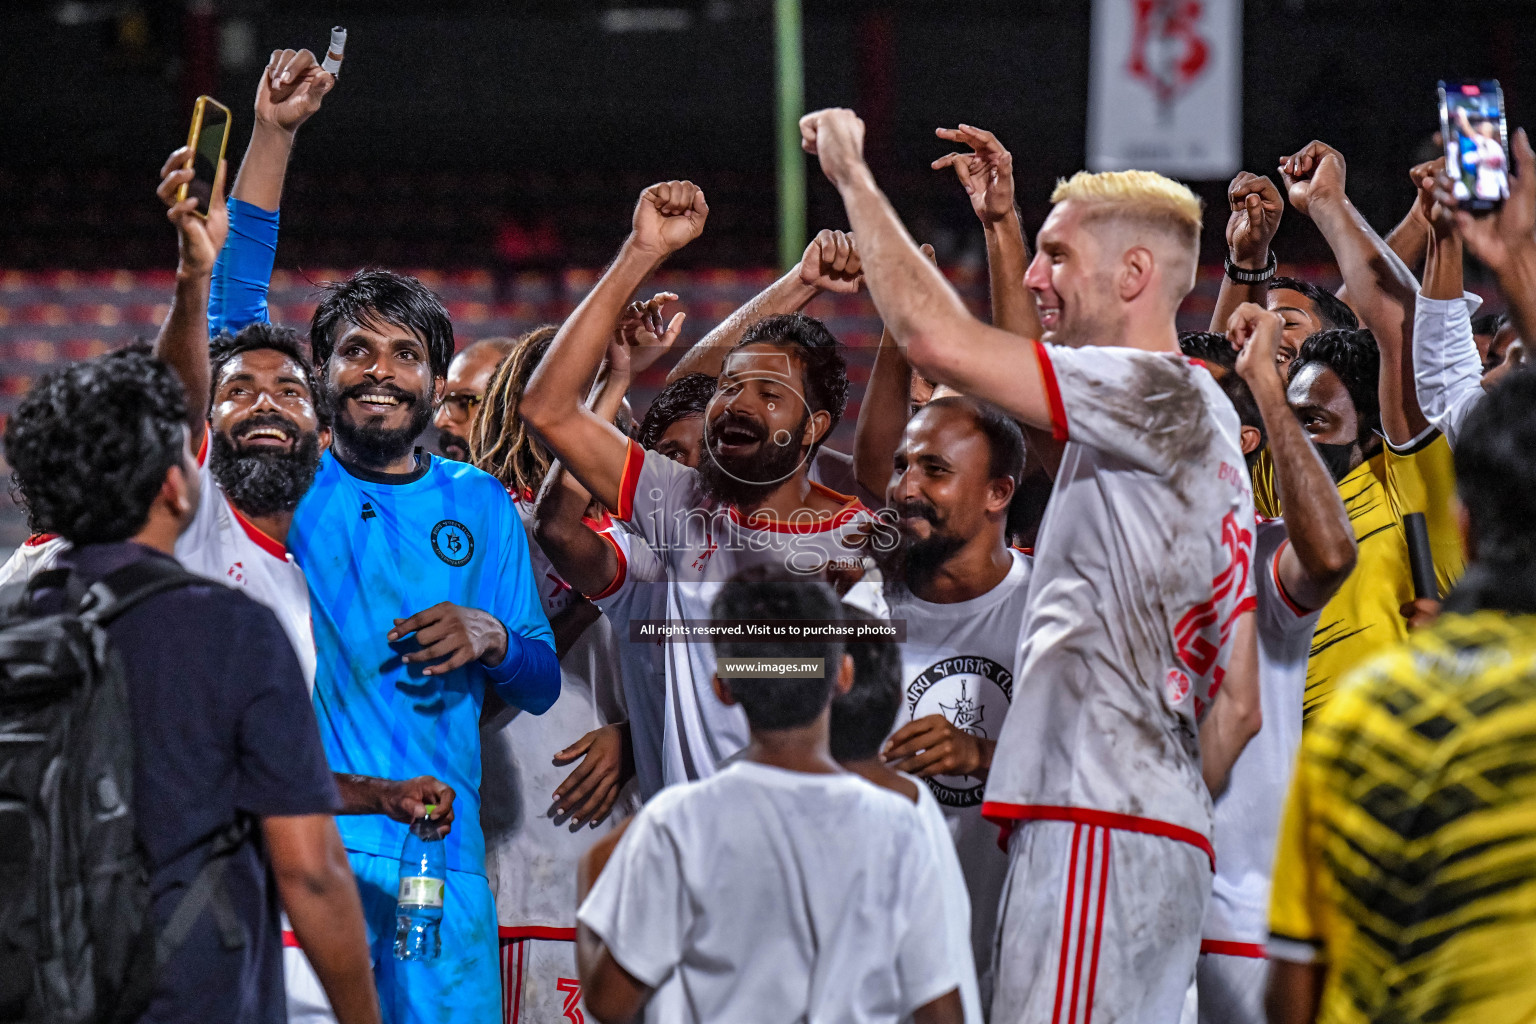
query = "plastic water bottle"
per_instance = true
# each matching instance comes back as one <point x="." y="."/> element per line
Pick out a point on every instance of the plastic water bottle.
<point x="423" y="877"/>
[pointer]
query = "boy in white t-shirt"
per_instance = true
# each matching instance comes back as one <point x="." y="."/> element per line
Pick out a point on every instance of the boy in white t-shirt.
<point x="861" y="719"/>
<point x="781" y="888"/>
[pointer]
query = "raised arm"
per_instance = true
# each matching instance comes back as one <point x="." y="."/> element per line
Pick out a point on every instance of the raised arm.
<point x="1256" y="211"/>
<point x="291" y="89"/>
<point x="1505" y="240"/>
<point x="667" y="217"/>
<point x="1381" y="289"/>
<point x="924" y="314"/>
<point x="830" y="264"/>
<point x="986" y="174"/>
<point x="1321" y="552"/>
<point x="182" y="343"/>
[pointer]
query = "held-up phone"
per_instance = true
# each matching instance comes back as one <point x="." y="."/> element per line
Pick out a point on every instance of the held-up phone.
<point x="210" y="131"/>
<point x="1476" y="143"/>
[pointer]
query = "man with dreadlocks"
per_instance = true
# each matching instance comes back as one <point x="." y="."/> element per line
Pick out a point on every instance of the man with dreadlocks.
<point x="533" y="841"/>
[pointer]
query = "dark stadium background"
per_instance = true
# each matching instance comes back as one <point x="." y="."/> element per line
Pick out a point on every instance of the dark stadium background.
<point x="501" y="145"/>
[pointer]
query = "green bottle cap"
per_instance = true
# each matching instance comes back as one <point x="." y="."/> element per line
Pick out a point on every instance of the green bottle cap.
<point x="431" y="810"/>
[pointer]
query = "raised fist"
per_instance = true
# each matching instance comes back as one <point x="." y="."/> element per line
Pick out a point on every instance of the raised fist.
<point x="836" y="137"/>
<point x="292" y="86"/>
<point x="1313" y="174"/>
<point x="1256" y="208"/>
<point x="831" y="263"/>
<point x="1254" y="333"/>
<point x="669" y="216"/>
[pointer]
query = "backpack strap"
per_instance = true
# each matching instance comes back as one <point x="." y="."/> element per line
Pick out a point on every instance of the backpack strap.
<point x="117" y="592"/>
<point x="208" y="892"/>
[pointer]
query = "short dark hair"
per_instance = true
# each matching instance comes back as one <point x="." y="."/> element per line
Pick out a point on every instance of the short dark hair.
<point x="1004" y="438"/>
<point x="774" y="702"/>
<point x="258" y="337"/>
<point x="1489" y="323"/>
<point x="1215" y="351"/>
<point x="91" y="443"/>
<point x="1333" y="311"/>
<point x="862" y="717"/>
<point x="1495" y="475"/>
<point x="687" y="396"/>
<point x="1352" y="355"/>
<point x="376" y="295"/>
<point x="821" y="357"/>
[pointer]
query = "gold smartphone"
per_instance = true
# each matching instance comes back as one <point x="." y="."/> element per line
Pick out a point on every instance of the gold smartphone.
<point x="205" y="143"/>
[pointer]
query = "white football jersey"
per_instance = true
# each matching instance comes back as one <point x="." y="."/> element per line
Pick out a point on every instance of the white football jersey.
<point x="704" y="544"/>
<point x="639" y="591"/>
<point x="767" y="895"/>
<point x="958" y="899"/>
<point x="1248" y="812"/>
<point x="958" y="662"/>
<point x="1141" y="570"/>
<point x="223" y="545"/>
<point x="531" y="855"/>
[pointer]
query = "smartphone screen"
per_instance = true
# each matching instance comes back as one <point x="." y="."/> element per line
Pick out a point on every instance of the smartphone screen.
<point x="1476" y="142"/>
<point x="207" y="150"/>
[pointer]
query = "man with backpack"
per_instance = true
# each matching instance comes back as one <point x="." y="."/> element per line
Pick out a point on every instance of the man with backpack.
<point x="165" y="717"/>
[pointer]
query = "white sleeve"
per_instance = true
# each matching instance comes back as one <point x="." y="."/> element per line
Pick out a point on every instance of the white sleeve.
<point x="924" y="961"/>
<point x="639" y="906"/>
<point x="1144" y="407"/>
<point x="655" y="496"/>
<point x="31" y="558"/>
<point x="1447" y="373"/>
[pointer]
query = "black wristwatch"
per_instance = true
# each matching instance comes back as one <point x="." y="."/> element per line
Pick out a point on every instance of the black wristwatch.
<point x="1241" y="276"/>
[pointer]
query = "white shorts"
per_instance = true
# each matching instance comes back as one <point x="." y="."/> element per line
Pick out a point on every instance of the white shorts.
<point x="1097" y="923"/>
<point x="307" y="1003"/>
<point x="1231" y="987"/>
<point x="539" y="983"/>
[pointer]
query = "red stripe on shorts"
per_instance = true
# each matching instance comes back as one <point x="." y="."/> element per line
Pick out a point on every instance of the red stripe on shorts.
<point x="1066" y="925"/>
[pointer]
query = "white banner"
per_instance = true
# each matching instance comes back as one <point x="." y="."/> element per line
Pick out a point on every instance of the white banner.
<point x="1165" y="88"/>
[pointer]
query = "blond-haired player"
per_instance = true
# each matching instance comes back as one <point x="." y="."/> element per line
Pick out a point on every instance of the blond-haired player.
<point x="1140" y="610"/>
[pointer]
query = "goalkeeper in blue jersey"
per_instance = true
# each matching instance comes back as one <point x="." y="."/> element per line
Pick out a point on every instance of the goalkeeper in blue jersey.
<point x="422" y="598"/>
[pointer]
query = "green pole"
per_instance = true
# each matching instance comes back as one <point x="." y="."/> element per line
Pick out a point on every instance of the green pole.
<point x="791" y="75"/>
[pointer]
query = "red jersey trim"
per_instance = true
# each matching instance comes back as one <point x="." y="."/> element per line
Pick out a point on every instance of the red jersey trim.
<point x="37" y="540"/>
<point x="619" y="574"/>
<point x="202" y="457"/>
<point x="534" y="931"/>
<point x="1008" y="816"/>
<point x="291" y="941"/>
<point x="761" y="520"/>
<point x="629" y="480"/>
<point x="1274" y="570"/>
<point x="1052" y="393"/>
<point x="266" y="543"/>
<point x="1252" y="950"/>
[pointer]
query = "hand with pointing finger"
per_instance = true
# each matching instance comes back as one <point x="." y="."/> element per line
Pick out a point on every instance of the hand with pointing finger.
<point x="451" y="636"/>
<point x="986" y="173"/>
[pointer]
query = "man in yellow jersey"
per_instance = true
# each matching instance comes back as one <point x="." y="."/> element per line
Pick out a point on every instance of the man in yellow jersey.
<point x="1393" y="462"/>
<point x="1405" y="878"/>
<point x="1333" y="390"/>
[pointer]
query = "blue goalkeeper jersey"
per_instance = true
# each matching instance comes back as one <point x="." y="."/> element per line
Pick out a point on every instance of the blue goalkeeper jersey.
<point x="376" y="548"/>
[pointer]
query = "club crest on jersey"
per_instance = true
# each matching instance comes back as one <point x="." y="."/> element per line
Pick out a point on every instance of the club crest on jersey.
<point x="973" y="694"/>
<point x="452" y="542"/>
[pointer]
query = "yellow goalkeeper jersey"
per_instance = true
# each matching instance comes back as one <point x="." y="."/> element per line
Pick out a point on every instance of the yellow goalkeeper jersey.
<point x="1365" y="615"/>
<point x="1407" y="853"/>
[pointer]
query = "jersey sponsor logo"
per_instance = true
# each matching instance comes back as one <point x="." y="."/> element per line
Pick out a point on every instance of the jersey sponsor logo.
<point x="368" y="512"/>
<point x="237" y="572"/>
<point x="452" y="542"/>
<point x="973" y="694"/>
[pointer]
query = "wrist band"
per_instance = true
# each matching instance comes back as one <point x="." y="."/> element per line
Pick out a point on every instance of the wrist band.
<point x="1241" y="276"/>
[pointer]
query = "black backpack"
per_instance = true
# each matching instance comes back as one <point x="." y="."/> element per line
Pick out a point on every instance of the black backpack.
<point x="77" y="944"/>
